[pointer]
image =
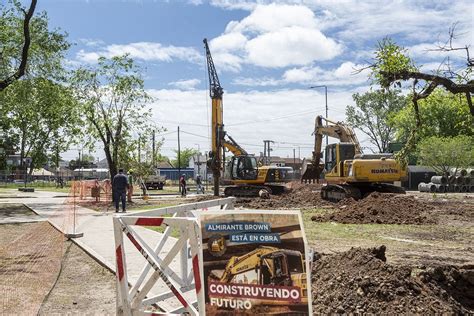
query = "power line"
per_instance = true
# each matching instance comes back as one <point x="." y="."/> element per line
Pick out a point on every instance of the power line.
<point x="274" y="118"/>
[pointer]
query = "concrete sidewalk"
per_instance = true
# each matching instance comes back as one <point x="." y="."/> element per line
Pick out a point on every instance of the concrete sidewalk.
<point x="99" y="240"/>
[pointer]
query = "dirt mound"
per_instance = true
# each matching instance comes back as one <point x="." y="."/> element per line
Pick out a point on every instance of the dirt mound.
<point x="296" y="196"/>
<point x="360" y="281"/>
<point x="380" y="208"/>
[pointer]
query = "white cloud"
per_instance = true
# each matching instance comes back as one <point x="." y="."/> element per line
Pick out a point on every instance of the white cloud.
<point x="148" y="51"/>
<point x="347" y="74"/>
<point x="185" y="84"/>
<point x="358" y="21"/>
<point x="234" y="4"/>
<point x="291" y="46"/>
<point x="91" y="42"/>
<point x="274" y="36"/>
<point x="195" y="2"/>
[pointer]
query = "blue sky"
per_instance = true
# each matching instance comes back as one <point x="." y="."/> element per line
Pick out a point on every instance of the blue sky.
<point x="267" y="54"/>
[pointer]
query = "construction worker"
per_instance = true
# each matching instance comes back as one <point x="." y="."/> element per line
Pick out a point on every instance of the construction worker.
<point x="119" y="189"/>
<point x="199" y="186"/>
<point x="130" y="186"/>
<point x="182" y="185"/>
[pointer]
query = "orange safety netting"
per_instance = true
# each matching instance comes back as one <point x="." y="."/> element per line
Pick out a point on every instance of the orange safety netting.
<point x="30" y="262"/>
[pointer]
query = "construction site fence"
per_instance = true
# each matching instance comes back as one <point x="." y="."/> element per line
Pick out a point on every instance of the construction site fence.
<point x="44" y="178"/>
<point x="183" y="286"/>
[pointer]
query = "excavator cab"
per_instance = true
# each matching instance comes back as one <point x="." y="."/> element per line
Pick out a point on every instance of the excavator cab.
<point x="244" y="168"/>
<point x="335" y="155"/>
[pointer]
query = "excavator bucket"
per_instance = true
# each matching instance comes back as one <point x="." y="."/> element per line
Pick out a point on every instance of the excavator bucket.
<point x="310" y="172"/>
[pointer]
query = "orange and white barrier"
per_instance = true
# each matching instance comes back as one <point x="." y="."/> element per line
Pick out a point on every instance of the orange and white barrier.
<point x="183" y="281"/>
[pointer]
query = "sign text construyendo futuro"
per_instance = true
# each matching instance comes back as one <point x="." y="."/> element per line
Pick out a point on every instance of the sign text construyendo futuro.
<point x="254" y="262"/>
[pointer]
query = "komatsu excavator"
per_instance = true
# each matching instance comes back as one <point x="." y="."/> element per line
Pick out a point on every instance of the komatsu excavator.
<point x="242" y="172"/>
<point x="349" y="172"/>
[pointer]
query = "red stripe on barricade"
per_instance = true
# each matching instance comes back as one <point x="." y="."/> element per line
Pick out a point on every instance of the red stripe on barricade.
<point x="134" y="241"/>
<point x="197" y="275"/>
<point x="149" y="221"/>
<point x="178" y="296"/>
<point x="118" y="255"/>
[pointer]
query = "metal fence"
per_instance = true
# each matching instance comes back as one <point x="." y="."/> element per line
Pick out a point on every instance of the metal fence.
<point x="38" y="178"/>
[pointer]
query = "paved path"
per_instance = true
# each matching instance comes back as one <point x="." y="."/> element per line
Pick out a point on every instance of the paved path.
<point x="98" y="237"/>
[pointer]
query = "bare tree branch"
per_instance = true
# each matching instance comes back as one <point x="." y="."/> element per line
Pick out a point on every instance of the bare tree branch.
<point x="26" y="46"/>
<point x="448" y="84"/>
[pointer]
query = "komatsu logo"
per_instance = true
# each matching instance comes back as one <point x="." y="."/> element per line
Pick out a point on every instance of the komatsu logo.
<point x="388" y="170"/>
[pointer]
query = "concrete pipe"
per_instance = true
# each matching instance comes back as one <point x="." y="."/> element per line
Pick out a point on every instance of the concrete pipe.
<point x="467" y="181"/>
<point x="451" y="179"/>
<point x="457" y="188"/>
<point x="440" y="188"/>
<point x="450" y="188"/>
<point x="464" y="188"/>
<point x="471" y="188"/>
<point x="427" y="187"/>
<point x="439" y="180"/>
<point x="459" y="180"/>
<point x="470" y="172"/>
<point x="458" y="172"/>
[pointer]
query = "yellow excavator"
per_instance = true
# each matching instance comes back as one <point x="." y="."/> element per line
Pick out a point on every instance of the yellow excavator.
<point x="349" y="172"/>
<point x="268" y="266"/>
<point x="241" y="172"/>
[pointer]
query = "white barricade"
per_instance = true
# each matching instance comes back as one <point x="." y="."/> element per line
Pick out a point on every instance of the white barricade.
<point x="133" y="298"/>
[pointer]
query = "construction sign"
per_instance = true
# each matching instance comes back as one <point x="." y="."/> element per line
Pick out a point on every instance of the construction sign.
<point x="255" y="262"/>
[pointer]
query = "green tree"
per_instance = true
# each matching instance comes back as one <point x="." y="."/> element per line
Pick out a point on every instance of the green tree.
<point x="372" y="114"/>
<point x="113" y="101"/>
<point x="15" y="41"/>
<point x="443" y="153"/>
<point x="38" y="110"/>
<point x="445" y="115"/>
<point x="86" y="161"/>
<point x="185" y="155"/>
<point x="392" y="66"/>
<point x="43" y="115"/>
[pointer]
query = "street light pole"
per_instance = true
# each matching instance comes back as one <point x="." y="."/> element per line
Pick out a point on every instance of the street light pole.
<point x="199" y="162"/>
<point x="326" y="96"/>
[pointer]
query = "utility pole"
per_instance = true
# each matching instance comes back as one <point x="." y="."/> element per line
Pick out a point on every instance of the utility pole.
<point x="57" y="156"/>
<point x="199" y="162"/>
<point x="153" y="157"/>
<point x="207" y="180"/>
<point x="326" y="96"/>
<point x="267" y="151"/>
<point x="179" y="157"/>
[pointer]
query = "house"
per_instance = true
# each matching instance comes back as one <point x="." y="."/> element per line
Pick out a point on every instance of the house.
<point x="199" y="164"/>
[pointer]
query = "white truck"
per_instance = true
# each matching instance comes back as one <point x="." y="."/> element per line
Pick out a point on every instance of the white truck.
<point x="155" y="182"/>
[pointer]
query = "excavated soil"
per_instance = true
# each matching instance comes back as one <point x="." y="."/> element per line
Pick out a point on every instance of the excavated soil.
<point x="381" y="208"/>
<point x="296" y="196"/>
<point x="360" y="281"/>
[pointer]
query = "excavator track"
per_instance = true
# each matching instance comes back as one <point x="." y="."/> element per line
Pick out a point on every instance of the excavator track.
<point x="245" y="190"/>
<point x="338" y="192"/>
<point x="252" y="190"/>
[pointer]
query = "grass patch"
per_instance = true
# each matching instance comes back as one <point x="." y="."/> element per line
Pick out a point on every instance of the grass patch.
<point x="334" y="232"/>
<point x="147" y="207"/>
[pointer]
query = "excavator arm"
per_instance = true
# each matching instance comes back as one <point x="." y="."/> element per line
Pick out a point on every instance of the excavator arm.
<point x="233" y="147"/>
<point x="247" y="262"/>
<point x="311" y="171"/>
